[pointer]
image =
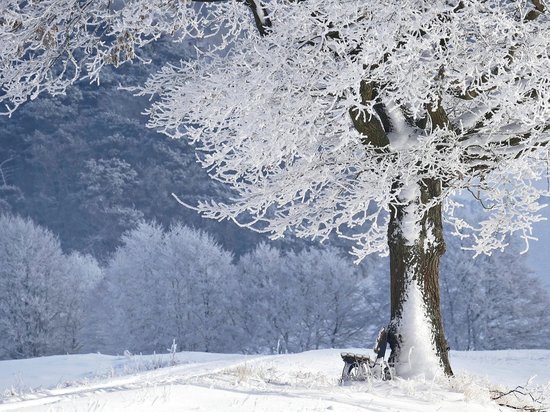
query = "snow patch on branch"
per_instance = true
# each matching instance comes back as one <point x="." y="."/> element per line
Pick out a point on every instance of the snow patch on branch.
<point x="401" y="134"/>
<point x="259" y="10"/>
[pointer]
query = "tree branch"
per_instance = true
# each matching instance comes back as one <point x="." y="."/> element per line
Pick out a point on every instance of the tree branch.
<point x="263" y="23"/>
<point x="475" y="91"/>
<point x="261" y="19"/>
<point x="370" y="126"/>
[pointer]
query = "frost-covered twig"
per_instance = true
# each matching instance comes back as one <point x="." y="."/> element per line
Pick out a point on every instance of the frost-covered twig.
<point x="521" y="398"/>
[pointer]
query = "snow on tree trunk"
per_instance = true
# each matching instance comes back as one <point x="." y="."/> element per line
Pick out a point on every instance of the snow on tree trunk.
<point x="416" y="244"/>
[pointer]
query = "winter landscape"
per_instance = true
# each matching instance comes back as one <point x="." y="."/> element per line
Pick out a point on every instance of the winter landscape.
<point x="204" y="203"/>
<point x="298" y="382"/>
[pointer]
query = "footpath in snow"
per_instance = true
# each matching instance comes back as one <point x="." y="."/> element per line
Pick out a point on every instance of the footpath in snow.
<point x="219" y="382"/>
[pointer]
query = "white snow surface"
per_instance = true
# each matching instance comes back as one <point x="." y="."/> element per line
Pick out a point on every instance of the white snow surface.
<point x="216" y="382"/>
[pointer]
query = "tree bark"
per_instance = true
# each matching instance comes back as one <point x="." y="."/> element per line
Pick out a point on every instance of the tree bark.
<point x="417" y="263"/>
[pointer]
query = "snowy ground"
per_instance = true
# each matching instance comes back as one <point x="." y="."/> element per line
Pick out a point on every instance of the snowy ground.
<point x="216" y="382"/>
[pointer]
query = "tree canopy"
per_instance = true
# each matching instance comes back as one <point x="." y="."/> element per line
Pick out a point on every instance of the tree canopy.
<point x="453" y="90"/>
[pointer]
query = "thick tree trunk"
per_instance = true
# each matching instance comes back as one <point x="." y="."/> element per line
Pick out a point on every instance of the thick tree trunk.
<point x="415" y="332"/>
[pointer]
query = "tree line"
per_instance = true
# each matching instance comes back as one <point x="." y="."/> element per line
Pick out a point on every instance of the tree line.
<point x="179" y="283"/>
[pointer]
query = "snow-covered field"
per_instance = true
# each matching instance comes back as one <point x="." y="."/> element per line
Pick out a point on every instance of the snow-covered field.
<point x="218" y="382"/>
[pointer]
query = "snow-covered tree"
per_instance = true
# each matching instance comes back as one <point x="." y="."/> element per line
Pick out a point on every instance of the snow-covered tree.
<point x="41" y="291"/>
<point x="298" y="301"/>
<point x="332" y="295"/>
<point x="198" y="269"/>
<point x="349" y="117"/>
<point x="493" y="302"/>
<point x="137" y="291"/>
<point x="169" y="285"/>
<point x="267" y="311"/>
<point x="83" y="275"/>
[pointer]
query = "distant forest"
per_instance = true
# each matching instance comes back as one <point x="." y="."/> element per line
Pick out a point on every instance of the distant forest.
<point x="85" y="165"/>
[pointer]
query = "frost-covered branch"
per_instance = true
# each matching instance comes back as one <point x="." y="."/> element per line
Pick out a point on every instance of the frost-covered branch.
<point x="317" y="113"/>
<point x="331" y="115"/>
<point x="48" y="45"/>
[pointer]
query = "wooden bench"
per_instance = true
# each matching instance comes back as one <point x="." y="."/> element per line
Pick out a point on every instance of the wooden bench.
<point x="359" y="367"/>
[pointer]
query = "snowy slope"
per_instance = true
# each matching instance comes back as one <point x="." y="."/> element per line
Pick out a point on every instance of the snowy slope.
<point x="217" y="382"/>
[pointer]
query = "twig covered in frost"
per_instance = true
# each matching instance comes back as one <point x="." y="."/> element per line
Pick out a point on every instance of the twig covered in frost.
<point x="521" y="398"/>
